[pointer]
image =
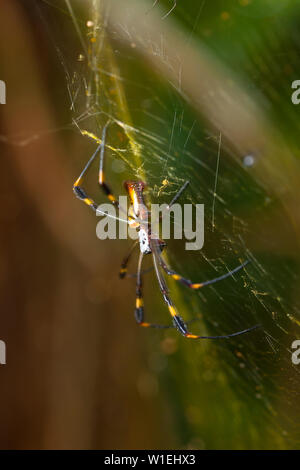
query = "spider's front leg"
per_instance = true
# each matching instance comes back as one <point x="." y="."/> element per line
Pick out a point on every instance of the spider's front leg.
<point x="79" y="190"/>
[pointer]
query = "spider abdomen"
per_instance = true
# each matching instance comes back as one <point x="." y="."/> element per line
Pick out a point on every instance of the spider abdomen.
<point x="144" y="241"/>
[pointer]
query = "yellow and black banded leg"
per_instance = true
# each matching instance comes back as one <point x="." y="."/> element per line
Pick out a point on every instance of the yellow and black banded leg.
<point x="178" y="321"/>
<point x="197" y="285"/>
<point x="106" y="189"/>
<point x="79" y="190"/>
<point x="124" y="264"/>
<point x="139" y="303"/>
<point x="123" y="270"/>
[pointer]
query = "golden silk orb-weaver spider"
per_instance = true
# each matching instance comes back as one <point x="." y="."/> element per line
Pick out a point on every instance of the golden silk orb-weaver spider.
<point x="149" y="245"/>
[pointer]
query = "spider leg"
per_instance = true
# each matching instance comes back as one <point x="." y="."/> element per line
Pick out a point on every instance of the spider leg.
<point x="139" y="304"/>
<point x="175" y="198"/>
<point x="178" y="321"/>
<point x="78" y="189"/>
<point x="144" y="271"/>
<point x="178" y="277"/>
<point x="178" y="194"/>
<point x="123" y="269"/>
<point x="104" y="186"/>
<point x="197" y="285"/>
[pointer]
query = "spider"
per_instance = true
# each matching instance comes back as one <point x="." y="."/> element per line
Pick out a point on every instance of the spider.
<point x="148" y="244"/>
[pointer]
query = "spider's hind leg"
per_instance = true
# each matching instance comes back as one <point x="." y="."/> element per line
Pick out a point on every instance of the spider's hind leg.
<point x="178" y="322"/>
<point x="124" y="264"/>
<point x="139" y="304"/>
<point x="198" y="285"/>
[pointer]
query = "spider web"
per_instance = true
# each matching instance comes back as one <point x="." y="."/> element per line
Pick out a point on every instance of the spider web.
<point x="242" y="393"/>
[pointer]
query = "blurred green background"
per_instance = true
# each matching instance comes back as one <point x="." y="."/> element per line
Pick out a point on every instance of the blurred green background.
<point x="79" y="372"/>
